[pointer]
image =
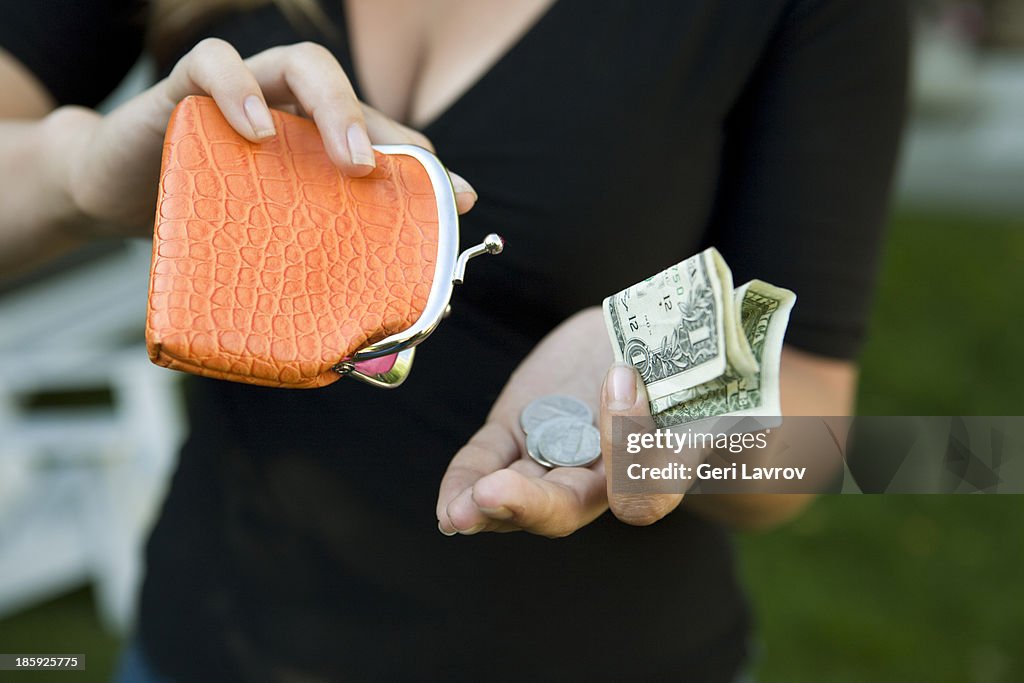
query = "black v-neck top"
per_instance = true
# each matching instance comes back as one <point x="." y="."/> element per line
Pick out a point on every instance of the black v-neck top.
<point x="298" y="540"/>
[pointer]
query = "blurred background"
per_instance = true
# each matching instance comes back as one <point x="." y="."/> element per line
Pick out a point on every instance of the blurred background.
<point x="859" y="588"/>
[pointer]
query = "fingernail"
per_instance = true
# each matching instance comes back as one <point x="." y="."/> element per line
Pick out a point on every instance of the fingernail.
<point x="259" y="117"/>
<point x="446" y="533"/>
<point x="621" y="387"/>
<point x="460" y="185"/>
<point x="359" y="148"/>
<point x="473" y="529"/>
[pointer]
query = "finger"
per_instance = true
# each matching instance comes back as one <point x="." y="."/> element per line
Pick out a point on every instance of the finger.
<point x="386" y="131"/>
<point x="463" y="516"/>
<point x="624" y="396"/>
<point x="311" y="75"/>
<point x="490" y="449"/>
<point x="528" y="468"/>
<point x="215" y="68"/>
<point x="554" y="506"/>
<point x="465" y="195"/>
<point x="292" y="109"/>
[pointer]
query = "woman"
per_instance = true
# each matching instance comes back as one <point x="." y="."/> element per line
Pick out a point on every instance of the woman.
<point x="605" y="140"/>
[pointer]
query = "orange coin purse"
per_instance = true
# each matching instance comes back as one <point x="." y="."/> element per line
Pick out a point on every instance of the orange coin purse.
<point x="271" y="267"/>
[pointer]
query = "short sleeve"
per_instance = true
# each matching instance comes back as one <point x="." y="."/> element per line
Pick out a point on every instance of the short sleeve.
<point x="809" y="155"/>
<point x="78" y="49"/>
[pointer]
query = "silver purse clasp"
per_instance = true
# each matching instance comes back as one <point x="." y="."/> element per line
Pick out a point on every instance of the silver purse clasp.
<point x="449" y="270"/>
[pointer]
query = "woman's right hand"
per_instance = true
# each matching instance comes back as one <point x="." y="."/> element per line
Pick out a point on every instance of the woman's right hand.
<point x="112" y="162"/>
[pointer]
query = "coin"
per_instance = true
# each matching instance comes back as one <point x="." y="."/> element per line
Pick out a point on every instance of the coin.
<point x="533" y="448"/>
<point x="569" y="442"/>
<point x="554" y="406"/>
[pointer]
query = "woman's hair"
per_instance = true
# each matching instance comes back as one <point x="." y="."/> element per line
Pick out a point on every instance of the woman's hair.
<point x="171" y="21"/>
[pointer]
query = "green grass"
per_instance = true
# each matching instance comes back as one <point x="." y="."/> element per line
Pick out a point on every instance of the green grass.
<point x="861" y="588"/>
<point x="66" y="625"/>
<point x="948" y="324"/>
<point x="923" y="588"/>
<point x="892" y="588"/>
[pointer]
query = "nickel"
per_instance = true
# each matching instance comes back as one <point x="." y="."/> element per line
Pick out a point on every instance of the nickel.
<point x="568" y="442"/>
<point x="547" y="408"/>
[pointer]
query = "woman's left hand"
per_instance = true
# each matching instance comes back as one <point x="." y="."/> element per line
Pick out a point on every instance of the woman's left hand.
<point x="492" y="484"/>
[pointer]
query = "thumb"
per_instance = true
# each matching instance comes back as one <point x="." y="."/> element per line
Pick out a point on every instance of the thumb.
<point x="624" y="404"/>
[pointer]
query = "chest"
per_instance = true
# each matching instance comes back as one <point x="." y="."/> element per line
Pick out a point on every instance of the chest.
<point x="594" y="122"/>
<point x="414" y="58"/>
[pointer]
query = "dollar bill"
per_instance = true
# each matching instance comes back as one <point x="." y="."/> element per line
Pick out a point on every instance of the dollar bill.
<point x="701" y="347"/>
<point x="679" y="328"/>
<point x="764" y="313"/>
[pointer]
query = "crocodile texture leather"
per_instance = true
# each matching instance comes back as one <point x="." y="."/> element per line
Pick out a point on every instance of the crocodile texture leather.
<point x="270" y="266"/>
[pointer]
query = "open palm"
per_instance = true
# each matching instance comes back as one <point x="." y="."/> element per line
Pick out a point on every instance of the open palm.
<point x="492" y="484"/>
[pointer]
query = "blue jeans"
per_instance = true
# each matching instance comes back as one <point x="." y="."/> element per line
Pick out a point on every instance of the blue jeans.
<point x="134" y="667"/>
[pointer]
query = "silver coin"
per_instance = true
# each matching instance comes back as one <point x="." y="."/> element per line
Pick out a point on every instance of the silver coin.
<point x="568" y="442"/>
<point x="554" y="406"/>
<point x="533" y="448"/>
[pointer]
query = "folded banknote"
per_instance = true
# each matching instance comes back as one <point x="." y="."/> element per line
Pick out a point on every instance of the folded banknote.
<point x="702" y="347"/>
